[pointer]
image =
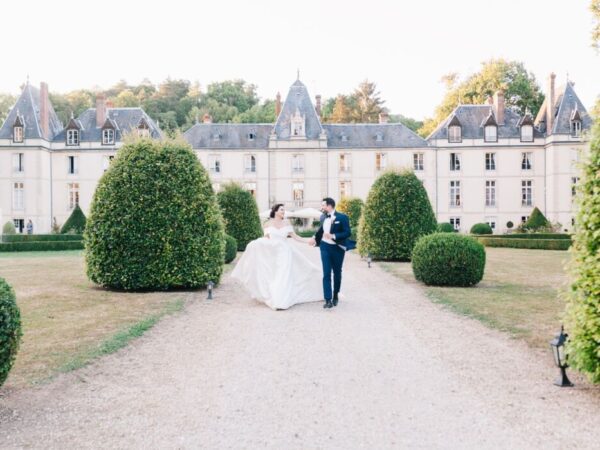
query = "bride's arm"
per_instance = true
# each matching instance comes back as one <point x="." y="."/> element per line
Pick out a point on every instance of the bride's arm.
<point x="266" y="225"/>
<point x="296" y="237"/>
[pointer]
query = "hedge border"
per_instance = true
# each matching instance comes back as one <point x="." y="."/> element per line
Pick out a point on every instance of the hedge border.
<point x="534" y="244"/>
<point x="527" y="236"/>
<point x="41" y="237"/>
<point x="40" y="246"/>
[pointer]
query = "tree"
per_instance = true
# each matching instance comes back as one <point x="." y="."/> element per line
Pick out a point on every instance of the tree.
<point x="10" y="329"/>
<point x="368" y="103"/>
<point x="259" y="113"/>
<point x="6" y="103"/>
<point x="340" y="113"/>
<point x="154" y="221"/>
<point x="75" y="223"/>
<point x="595" y="9"/>
<point x="411" y="124"/>
<point x="521" y="90"/>
<point x="352" y="207"/>
<point x="583" y="299"/>
<point x="240" y="214"/>
<point x="126" y="99"/>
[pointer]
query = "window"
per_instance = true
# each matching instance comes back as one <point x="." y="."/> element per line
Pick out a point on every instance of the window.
<point x="19" y="225"/>
<point x="73" y="191"/>
<point x="18" y="134"/>
<point x="455" y="161"/>
<point x="216" y="137"/>
<point x="297" y="124"/>
<point x="576" y="128"/>
<point x="251" y="136"/>
<point x="298" y="164"/>
<point x="379" y="137"/>
<point x="491" y="221"/>
<point x="524" y="219"/>
<point x="214" y="163"/>
<point x="490" y="161"/>
<point x="574" y="183"/>
<point x="72" y="165"/>
<point x="345" y="160"/>
<point x="527" y="133"/>
<point x="18" y="162"/>
<point x="490" y="193"/>
<point x="455" y="222"/>
<point x="455" y="193"/>
<point x="72" y="137"/>
<point x="106" y="161"/>
<point x="251" y="187"/>
<point x="526" y="161"/>
<point x="298" y="194"/>
<point x="250" y="164"/>
<point x="345" y="189"/>
<point x="490" y="133"/>
<point x="526" y="192"/>
<point x="454" y="133"/>
<point x="380" y="161"/>
<point x="418" y="161"/>
<point x="108" y="136"/>
<point x="18" y="196"/>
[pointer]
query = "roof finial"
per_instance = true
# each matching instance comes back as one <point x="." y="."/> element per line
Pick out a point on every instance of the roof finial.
<point x="72" y="116"/>
<point x="567" y="76"/>
<point x="27" y="79"/>
<point x="298" y="74"/>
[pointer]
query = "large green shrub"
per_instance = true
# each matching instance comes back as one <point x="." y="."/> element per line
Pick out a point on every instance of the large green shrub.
<point x="9" y="228"/>
<point x="240" y="214"/>
<point x="154" y="222"/>
<point x="444" y="259"/>
<point x="352" y="207"/>
<point x="230" y="248"/>
<point x="10" y="329"/>
<point x="397" y="212"/>
<point x="445" y="227"/>
<point x="537" y="221"/>
<point x="75" y="223"/>
<point x="481" y="228"/>
<point x="583" y="302"/>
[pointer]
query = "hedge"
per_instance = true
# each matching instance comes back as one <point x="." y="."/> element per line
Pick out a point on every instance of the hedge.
<point x="538" y="244"/>
<point x="445" y="227"/>
<point x="240" y="214"/>
<point x="40" y="246"/>
<point x="42" y="237"/>
<point x="10" y="329"/>
<point x="481" y="228"/>
<point x="531" y="236"/>
<point x="230" y="248"/>
<point x="352" y="207"/>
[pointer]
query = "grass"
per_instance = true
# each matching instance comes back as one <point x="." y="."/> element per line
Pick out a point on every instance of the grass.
<point x="519" y="293"/>
<point x="67" y="320"/>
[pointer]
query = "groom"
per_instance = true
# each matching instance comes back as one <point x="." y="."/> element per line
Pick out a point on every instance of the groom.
<point x="333" y="240"/>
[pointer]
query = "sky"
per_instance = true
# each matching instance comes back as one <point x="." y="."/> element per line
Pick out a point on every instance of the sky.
<point x="404" y="47"/>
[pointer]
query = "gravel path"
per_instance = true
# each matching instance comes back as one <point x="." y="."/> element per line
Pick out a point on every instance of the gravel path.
<point x="385" y="368"/>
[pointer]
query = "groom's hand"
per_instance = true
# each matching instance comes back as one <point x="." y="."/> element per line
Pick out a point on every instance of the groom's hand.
<point x="327" y="235"/>
<point x="312" y="242"/>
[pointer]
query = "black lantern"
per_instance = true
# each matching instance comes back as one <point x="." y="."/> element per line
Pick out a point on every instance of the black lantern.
<point x="369" y="259"/>
<point x="210" y="289"/>
<point x="560" y="358"/>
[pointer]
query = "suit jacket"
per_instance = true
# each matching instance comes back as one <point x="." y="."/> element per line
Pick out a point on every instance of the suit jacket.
<point x="341" y="229"/>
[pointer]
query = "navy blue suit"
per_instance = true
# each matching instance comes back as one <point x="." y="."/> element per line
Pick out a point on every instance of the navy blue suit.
<point x="332" y="256"/>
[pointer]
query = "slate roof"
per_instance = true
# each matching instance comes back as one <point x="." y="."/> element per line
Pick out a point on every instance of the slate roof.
<point x="298" y="100"/>
<point x="566" y="102"/>
<point x="28" y="108"/>
<point x="361" y="135"/>
<point x="230" y="135"/>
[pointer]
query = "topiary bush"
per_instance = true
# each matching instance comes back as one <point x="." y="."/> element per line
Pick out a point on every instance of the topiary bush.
<point x="154" y="221"/>
<point x="9" y="228"/>
<point x="230" y="248"/>
<point x="240" y="214"/>
<point x="352" y="207"/>
<point x="397" y="213"/>
<point x="10" y="329"/>
<point x="75" y="223"/>
<point x="481" y="228"/>
<point x="445" y="227"/>
<point x="536" y="222"/>
<point x="444" y="259"/>
<point x="509" y="224"/>
<point x="583" y="301"/>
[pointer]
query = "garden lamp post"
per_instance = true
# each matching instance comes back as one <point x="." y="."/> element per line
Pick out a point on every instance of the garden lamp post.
<point x="560" y="358"/>
<point x="210" y="290"/>
<point x="369" y="260"/>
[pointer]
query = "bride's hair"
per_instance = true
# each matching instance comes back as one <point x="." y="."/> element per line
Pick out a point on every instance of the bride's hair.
<point x="274" y="209"/>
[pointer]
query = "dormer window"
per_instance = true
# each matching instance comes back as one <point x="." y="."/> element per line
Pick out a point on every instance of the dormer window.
<point x="297" y="123"/>
<point x="216" y="137"/>
<point x="344" y="138"/>
<point x="379" y="137"/>
<point x="143" y="128"/>
<point x="576" y="128"/>
<point x="490" y="133"/>
<point x="251" y="136"/>
<point x="455" y="133"/>
<point x="108" y="136"/>
<point x="18" y="134"/>
<point x="72" y="137"/>
<point x="526" y="133"/>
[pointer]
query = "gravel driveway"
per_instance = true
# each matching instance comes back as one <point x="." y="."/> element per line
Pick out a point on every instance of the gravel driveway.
<point x="386" y="368"/>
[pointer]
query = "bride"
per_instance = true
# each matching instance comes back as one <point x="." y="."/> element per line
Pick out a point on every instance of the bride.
<point x="276" y="272"/>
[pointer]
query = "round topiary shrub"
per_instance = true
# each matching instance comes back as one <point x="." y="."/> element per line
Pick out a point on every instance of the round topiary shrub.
<point x="10" y="329"/>
<point x="481" y="228"/>
<point x="352" y="207"/>
<point x="240" y="214"/>
<point x="445" y="227"/>
<point x="154" y="221"/>
<point x="75" y="223"/>
<point x="397" y="213"/>
<point x="445" y="259"/>
<point x="230" y="248"/>
<point x="9" y="228"/>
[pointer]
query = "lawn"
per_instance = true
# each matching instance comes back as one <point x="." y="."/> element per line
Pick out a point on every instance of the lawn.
<point x="67" y="320"/>
<point x="518" y="293"/>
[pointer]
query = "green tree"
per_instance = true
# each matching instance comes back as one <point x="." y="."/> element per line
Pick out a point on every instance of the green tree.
<point x="6" y="103"/>
<point x="411" y="124"/>
<point x="10" y="329"/>
<point x="240" y="214"/>
<point x="259" y="113"/>
<point x="521" y="90"/>
<point x="352" y="207"/>
<point x="368" y="103"/>
<point x="225" y="100"/>
<point x="595" y="9"/>
<point x="340" y="112"/>
<point x="126" y="99"/>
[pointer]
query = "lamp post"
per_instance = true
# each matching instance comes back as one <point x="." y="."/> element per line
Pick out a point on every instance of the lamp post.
<point x="560" y="358"/>
<point x="369" y="259"/>
<point x="210" y="290"/>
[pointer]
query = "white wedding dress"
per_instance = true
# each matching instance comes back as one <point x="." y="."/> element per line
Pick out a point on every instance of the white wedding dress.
<point x="277" y="273"/>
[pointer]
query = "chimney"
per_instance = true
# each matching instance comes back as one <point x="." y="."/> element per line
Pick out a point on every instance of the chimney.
<point x="318" y="104"/>
<point x="383" y="117"/>
<point x="490" y="100"/>
<point x="44" y="111"/>
<point x="100" y="110"/>
<point x="109" y="104"/>
<point x="550" y="104"/>
<point x="206" y="118"/>
<point x="499" y="106"/>
<point x="277" y="105"/>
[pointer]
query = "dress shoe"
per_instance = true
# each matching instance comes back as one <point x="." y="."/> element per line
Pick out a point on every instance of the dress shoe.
<point x="335" y="300"/>
<point x="327" y="304"/>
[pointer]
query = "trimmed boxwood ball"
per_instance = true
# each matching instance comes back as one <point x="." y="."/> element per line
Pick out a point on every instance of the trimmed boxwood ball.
<point x="9" y="228"/>
<point x="445" y="227"/>
<point x="509" y="224"/>
<point x="445" y="259"/>
<point x="10" y="329"/>
<point x="75" y="223"/>
<point x="397" y="213"/>
<point x="154" y="222"/>
<point x="230" y="248"/>
<point x="481" y="228"/>
<point x="240" y="214"/>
